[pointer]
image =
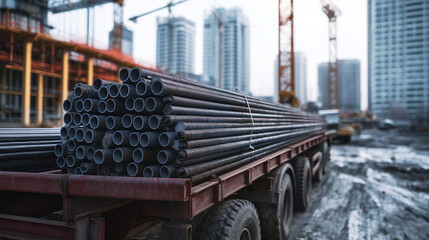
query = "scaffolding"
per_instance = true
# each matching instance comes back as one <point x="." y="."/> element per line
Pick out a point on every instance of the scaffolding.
<point x="37" y="71"/>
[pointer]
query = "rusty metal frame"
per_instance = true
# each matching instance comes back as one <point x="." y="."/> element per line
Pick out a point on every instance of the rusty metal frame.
<point x="171" y="198"/>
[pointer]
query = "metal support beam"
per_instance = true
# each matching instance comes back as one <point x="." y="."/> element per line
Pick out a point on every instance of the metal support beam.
<point x="26" y="84"/>
<point x="65" y="79"/>
<point x="39" y="104"/>
<point x="90" y="70"/>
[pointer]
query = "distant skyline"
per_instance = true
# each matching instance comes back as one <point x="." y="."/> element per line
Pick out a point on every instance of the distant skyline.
<point x="311" y="34"/>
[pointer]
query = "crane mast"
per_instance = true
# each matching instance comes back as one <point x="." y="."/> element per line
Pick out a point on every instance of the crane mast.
<point x="332" y="12"/>
<point x="286" y="60"/>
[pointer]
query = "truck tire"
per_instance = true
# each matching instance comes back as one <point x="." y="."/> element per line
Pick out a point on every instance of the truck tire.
<point x="303" y="179"/>
<point x="326" y="157"/>
<point x="234" y="219"/>
<point x="323" y="161"/>
<point x="276" y="219"/>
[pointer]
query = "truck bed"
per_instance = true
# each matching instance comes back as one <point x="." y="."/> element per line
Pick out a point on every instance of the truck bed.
<point x="83" y="197"/>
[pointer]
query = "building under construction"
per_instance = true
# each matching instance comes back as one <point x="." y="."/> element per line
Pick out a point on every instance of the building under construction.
<point x="37" y="71"/>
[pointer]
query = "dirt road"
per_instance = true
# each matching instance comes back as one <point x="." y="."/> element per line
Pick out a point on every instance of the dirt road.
<point x="377" y="188"/>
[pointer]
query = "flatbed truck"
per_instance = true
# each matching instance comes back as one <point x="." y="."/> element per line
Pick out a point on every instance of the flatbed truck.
<point x="254" y="201"/>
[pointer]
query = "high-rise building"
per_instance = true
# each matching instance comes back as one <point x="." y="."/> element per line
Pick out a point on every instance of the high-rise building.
<point x="300" y="78"/>
<point x="233" y="45"/>
<point x="175" y="45"/>
<point x="348" y="85"/>
<point x="398" y="58"/>
<point x="127" y="41"/>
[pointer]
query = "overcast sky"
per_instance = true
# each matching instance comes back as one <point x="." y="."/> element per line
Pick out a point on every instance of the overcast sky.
<point x="311" y="34"/>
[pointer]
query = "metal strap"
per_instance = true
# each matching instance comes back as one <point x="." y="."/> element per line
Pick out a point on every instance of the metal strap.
<point x="251" y="117"/>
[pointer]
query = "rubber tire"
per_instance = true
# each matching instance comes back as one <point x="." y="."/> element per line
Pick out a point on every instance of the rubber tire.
<point x="228" y="219"/>
<point x="321" y="171"/>
<point x="303" y="178"/>
<point x="272" y="216"/>
<point x="326" y="157"/>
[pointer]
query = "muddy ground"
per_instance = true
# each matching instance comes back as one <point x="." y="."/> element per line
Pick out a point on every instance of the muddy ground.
<point x="377" y="188"/>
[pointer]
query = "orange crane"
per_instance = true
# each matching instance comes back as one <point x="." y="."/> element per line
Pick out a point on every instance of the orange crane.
<point x="332" y="12"/>
<point x="286" y="60"/>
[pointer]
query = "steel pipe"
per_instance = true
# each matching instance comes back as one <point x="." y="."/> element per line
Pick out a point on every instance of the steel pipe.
<point x="166" y="139"/>
<point x="166" y="156"/>
<point x="93" y="136"/>
<point x="77" y="119"/>
<point x="128" y="91"/>
<point x="81" y="152"/>
<point x="68" y="118"/>
<point x="114" y="122"/>
<point x="124" y="75"/>
<point x="91" y="105"/>
<point x="72" y="161"/>
<point x="127" y="120"/>
<point x="85" y="119"/>
<point x="102" y="107"/>
<point x="139" y="105"/>
<point x="98" y="83"/>
<point x="168" y="171"/>
<point x="98" y="122"/>
<point x="143" y="89"/>
<point x="144" y="155"/>
<point x="123" y="154"/>
<point x="155" y="122"/>
<point x="134" y="169"/>
<point x="149" y="139"/>
<point x="103" y="156"/>
<point x="154" y="105"/>
<point x="134" y="139"/>
<point x="90" y="153"/>
<point x="115" y="106"/>
<point x="151" y="171"/>
<point x="140" y="123"/>
<point x="103" y="92"/>
<point x="60" y="150"/>
<point x="84" y="91"/>
<point x="129" y="104"/>
<point x="121" y="137"/>
<point x="61" y="162"/>
<point x="114" y="91"/>
<point x="69" y="105"/>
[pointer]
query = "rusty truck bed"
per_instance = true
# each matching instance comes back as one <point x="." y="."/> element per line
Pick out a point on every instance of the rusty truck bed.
<point x="82" y="197"/>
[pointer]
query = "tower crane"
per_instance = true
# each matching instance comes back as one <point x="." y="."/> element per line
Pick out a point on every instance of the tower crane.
<point x="332" y="12"/>
<point x="286" y="59"/>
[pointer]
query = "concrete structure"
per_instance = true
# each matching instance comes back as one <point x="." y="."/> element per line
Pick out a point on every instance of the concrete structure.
<point x="348" y="85"/>
<point x="300" y="78"/>
<point x="175" y="45"/>
<point x="398" y="58"/>
<point x="37" y="71"/>
<point x="232" y="42"/>
<point x="127" y="41"/>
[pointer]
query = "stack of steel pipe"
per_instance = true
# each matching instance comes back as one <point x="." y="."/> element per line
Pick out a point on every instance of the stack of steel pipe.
<point x="28" y="149"/>
<point x="156" y="125"/>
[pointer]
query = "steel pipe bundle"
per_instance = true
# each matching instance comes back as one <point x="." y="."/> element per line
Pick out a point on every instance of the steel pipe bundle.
<point x="28" y="149"/>
<point x="156" y="125"/>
